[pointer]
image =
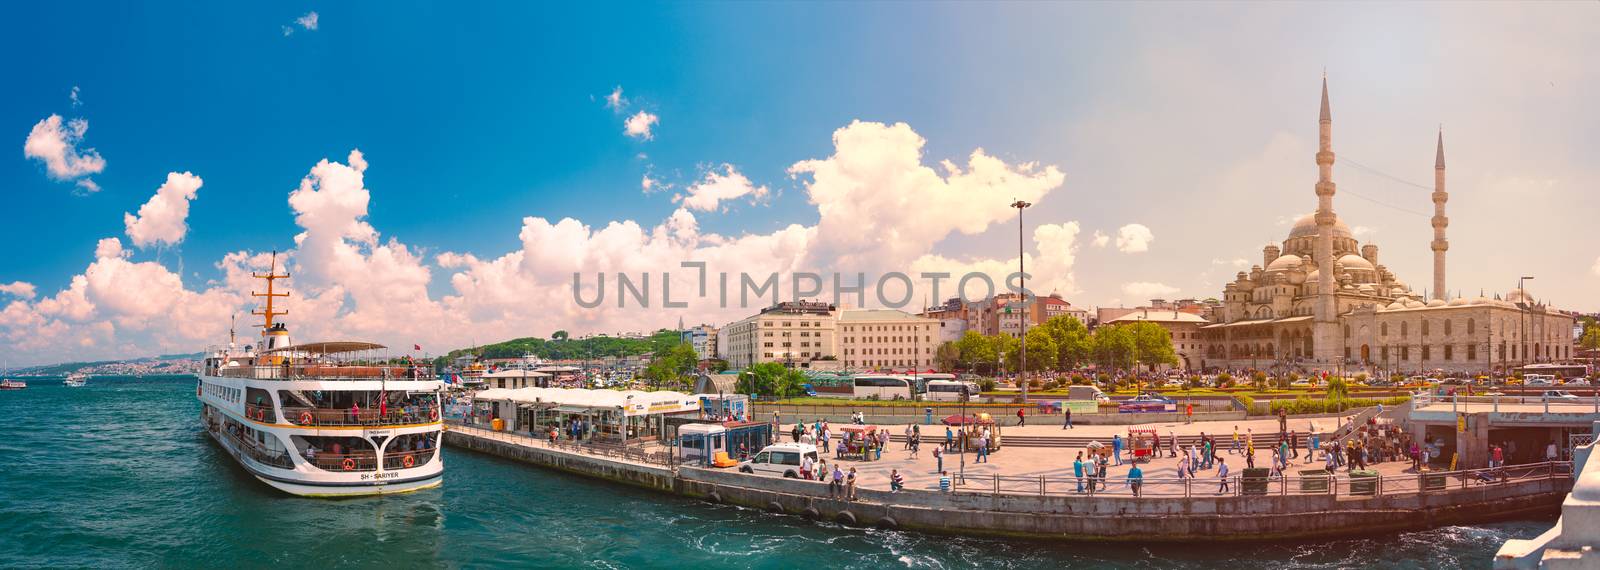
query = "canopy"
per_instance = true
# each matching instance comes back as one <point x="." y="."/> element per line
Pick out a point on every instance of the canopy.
<point x="632" y="402"/>
<point x="514" y="373"/>
<point x="331" y="347"/>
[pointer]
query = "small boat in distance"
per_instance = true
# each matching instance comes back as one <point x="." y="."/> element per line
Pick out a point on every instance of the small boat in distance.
<point x="76" y="380"/>
<point x="9" y="384"/>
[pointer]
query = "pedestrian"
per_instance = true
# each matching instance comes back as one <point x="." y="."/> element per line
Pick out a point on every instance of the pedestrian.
<point x="1100" y="471"/>
<point x="1551" y="453"/>
<point x="983" y="448"/>
<point x="1021" y="419"/>
<point x="949" y="438"/>
<point x="822" y="437"/>
<point x="1135" y="479"/>
<point x="908" y="437"/>
<point x="1235" y="450"/>
<point x="1312" y="449"/>
<point x="1188" y="412"/>
<point x="850" y="485"/>
<point x="1294" y="443"/>
<point x="938" y="459"/>
<point x="836" y="486"/>
<point x="1283" y="421"/>
<point x="805" y="467"/>
<point x="916" y="443"/>
<point x="1222" y="475"/>
<point x="896" y="481"/>
<point x="1066" y="416"/>
<point x="944" y="481"/>
<point x="1172" y="444"/>
<point x="1331" y="463"/>
<point x="1498" y="459"/>
<point x="1077" y="471"/>
<point x="1116" y="447"/>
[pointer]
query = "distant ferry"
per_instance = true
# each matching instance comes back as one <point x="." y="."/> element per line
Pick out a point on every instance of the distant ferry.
<point x="323" y="419"/>
<point x="12" y="385"/>
<point x="76" y="380"/>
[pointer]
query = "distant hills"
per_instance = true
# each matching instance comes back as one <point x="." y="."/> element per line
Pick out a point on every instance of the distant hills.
<point x="574" y="349"/>
<point x="164" y="364"/>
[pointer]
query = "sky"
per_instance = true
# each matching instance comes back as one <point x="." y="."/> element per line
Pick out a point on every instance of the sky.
<point x="434" y="175"/>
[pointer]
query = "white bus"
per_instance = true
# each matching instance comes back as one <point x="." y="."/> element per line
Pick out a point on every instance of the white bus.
<point x="949" y="390"/>
<point x="883" y="387"/>
<point x="1560" y="371"/>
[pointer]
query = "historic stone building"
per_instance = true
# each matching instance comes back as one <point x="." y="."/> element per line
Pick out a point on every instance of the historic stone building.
<point x="1288" y="313"/>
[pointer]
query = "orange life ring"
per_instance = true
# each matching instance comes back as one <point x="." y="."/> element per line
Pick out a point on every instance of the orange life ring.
<point x="349" y="464"/>
<point x="260" y="414"/>
<point x="408" y="461"/>
<point x="433" y="415"/>
<point x="305" y="418"/>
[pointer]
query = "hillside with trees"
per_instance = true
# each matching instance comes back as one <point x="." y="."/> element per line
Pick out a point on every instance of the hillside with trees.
<point x="562" y="347"/>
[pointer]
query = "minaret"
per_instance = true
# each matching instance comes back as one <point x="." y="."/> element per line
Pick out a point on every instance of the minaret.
<point x="1325" y="324"/>
<point x="1439" y="220"/>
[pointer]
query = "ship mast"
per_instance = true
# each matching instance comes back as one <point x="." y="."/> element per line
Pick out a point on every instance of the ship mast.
<point x="267" y="314"/>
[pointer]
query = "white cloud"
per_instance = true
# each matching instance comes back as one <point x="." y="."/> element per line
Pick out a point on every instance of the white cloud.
<point x="1100" y="239"/>
<point x="1148" y="290"/>
<point x="1134" y="238"/>
<point x="74" y="95"/>
<point x="56" y="145"/>
<point x="615" y="101"/>
<point x="109" y="247"/>
<point x="646" y="183"/>
<point x="1596" y="269"/>
<point x="308" y="21"/>
<point x="717" y="187"/>
<point x="21" y="289"/>
<point x="640" y="124"/>
<point x="86" y="186"/>
<point x="163" y="219"/>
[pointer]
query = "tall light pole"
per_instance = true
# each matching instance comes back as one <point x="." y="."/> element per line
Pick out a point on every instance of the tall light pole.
<point x="1022" y="276"/>
<point x="1522" y="318"/>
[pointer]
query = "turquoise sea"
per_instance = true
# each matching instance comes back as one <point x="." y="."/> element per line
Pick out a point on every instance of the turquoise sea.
<point x="119" y="475"/>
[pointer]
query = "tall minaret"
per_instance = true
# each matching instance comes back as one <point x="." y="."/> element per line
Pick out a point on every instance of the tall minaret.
<point x="1325" y="324"/>
<point x="1439" y="220"/>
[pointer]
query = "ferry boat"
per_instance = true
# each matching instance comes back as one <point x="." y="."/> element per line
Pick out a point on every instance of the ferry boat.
<point x="76" y="380"/>
<point x="9" y="384"/>
<point x="322" y="419"/>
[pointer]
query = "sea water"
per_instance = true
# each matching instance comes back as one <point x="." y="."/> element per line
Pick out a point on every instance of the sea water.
<point x="120" y="474"/>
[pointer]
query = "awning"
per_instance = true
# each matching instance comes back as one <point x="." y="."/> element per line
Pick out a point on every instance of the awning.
<point x="573" y="409"/>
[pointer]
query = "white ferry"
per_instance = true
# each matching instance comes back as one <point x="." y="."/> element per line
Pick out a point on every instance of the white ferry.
<point x="76" y="380"/>
<point x="323" y="419"/>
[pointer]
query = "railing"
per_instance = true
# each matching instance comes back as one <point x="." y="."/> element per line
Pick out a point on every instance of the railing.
<point x="262" y="456"/>
<point x="344" y="462"/>
<point x="263" y="414"/>
<point x="327" y="372"/>
<point x="1242" y="486"/>
<point x="633" y="453"/>
<point x="367" y="417"/>
<point x="397" y="459"/>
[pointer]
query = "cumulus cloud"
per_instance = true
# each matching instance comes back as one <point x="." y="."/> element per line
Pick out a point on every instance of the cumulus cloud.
<point x="56" y="145"/>
<point x="717" y="187"/>
<point x="1100" y="239"/>
<point x="1051" y="264"/>
<point x="1134" y="238"/>
<point x="74" y="95"/>
<point x="640" y="124"/>
<point x="1148" y="290"/>
<point x="1596" y="269"/>
<point x="308" y="21"/>
<point x="615" y="101"/>
<point x="109" y="247"/>
<point x="21" y="289"/>
<point x="163" y="219"/>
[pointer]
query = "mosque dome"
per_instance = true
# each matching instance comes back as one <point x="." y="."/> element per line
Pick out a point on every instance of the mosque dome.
<point x="1306" y="226"/>
<point x="1436" y="303"/>
<point x="1518" y="295"/>
<point x="1414" y="304"/>
<point x="1353" y="262"/>
<point x="1481" y="300"/>
<point x="1397" y="305"/>
<point x="1284" y="263"/>
<point x="1457" y="302"/>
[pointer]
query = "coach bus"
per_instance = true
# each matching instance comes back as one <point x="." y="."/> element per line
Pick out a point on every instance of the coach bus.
<point x="1560" y="371"/>
<point x="883" y="387"/>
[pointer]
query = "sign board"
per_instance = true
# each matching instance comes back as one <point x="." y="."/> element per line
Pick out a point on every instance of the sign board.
<point x="1461" y="423"/>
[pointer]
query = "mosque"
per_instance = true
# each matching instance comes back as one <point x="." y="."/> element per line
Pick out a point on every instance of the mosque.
<point x="1323" y="302"/>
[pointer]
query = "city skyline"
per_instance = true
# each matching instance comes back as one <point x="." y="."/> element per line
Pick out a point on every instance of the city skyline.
<point x="441" y="190"/>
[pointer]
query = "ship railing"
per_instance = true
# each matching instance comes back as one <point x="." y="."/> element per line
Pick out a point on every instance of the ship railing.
<point x="1239" y="485"/>
<point x="396" y="416"/>
<point x="344" y="462"/>
<point x="261" y="413"/>
<point x="329" y="372"/>
<point x="636" y="453"/>
<point x="254" y="451"/>
<point x="393" y="460"/>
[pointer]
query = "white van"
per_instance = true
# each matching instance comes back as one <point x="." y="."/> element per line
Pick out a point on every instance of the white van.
<point x="782" y="459"/>
<point x="949" y="390"/>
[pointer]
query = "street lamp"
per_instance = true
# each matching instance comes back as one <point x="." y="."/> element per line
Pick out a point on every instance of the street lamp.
<point x="1022" y="272"/>
<point x="1522" y="317"/>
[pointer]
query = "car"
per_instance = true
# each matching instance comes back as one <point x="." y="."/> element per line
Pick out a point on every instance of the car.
<point x="1145" y="403"/>
<point x="1301" y="383"/>
<point x="1537" y="381"/>
<point x="1496" y="394"/>
<point x="1577" y="382"/>
<point x="1559" y="395"/>
<point x="779" y="460"/>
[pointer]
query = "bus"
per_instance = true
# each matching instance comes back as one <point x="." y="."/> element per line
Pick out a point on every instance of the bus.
<point x="949" y="390"/>
<point x="1560" y="371"/>
<point x="922" y="380"/>
<point x="883" y="387"/>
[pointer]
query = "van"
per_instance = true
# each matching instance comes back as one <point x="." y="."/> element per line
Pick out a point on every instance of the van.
<point x="949" y="390"/>
<point x="1091" y="393"/>
<point x="780" y="460"/>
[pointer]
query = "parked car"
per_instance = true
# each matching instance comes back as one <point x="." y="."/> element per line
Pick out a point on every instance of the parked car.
<point x="1577" y="382"/>
<point x="779" y="460"/>
<point x="1559" y="395"/>
<point x="1533" y="380"/>
<point x="1145" y="403"/>
<point x="1301" y="383"/>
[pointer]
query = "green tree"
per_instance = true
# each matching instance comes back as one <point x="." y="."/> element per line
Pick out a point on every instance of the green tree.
<point x="771" y="380"/>
<point x="1042" y="350"/>
<point x="558" y="335"/>
<point x="1590" y="340"/>
<point x="1153" y="344"/>
<point x="975" y="349"/>
<point x="1259" y="380"/>
<point x="1113" y="346"/>
<point x="947" y="356"/>
<point x="1074" y="346"/>
<point x="1338" y="389"/>
<point x="672" y="368"/>
<point x="1008" y="349"/>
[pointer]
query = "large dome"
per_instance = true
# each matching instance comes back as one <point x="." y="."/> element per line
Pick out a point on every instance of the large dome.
<point x="1306" y="226"/>
<point x="1353" y="262"/>
<point x="1284" y="263"/>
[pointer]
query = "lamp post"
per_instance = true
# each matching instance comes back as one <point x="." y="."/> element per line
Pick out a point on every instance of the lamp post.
<point x="1522" y="318"/>
<point x="1022" y="361"/>
<point x="962" y="440"/>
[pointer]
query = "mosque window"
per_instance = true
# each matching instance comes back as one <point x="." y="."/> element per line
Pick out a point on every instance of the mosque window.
<point x="1449" y="353"/>
<point x="1424" y="327"/>
<point x="1447" y="327"/>
<point x="1472" y="352"/>
<point x="1383" y="330"/>
<point x="1404" y="328"/>
<point x="1427" y="352"/>
<point x="1472" y="326"/>
<point x="1347" y="335"/>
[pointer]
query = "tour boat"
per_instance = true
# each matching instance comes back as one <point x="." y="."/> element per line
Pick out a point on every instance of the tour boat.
<point x="12" y="384"/>
<point x="322" y="419"/>
<point x="76" y="380"/>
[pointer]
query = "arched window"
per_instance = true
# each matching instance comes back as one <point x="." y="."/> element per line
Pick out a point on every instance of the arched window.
<point x="1383" y="329"/>
<point x="1424" y="327"/>
<point x="1447" y="330"/>
<point x="1347" y="331"/>
<point x="1404" y="328"/>
<point x="1472" y="326"/>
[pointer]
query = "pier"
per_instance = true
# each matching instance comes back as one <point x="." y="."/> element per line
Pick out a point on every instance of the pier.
<point x="1031" y="492"/>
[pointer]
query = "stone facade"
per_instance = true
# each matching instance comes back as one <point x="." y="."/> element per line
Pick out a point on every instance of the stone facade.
<point x="886" y="338"/>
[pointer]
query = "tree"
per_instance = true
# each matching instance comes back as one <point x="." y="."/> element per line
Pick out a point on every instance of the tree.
<point x="558" y="335"/>
<point x="1074" y="346"/>
<point x="1008" y="349"/>
<point x="1041" y="350"/>
<point x="1259" y="380"/>
<point x="1153" y="344"/>
<point x="1337" y="389"/>
<point x="771" y="380"/>
<point x="947" y="356"/>
<point x="975" y="349"/>
<point x="672" y="368"/>
<point x="1591" y="334"/>
<point x="1113" y="346"/>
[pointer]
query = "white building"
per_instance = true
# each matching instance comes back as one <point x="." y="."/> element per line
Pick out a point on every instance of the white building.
<point x="887" y="338"/>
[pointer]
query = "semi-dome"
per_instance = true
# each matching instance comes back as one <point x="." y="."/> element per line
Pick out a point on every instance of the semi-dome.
<point x="1306" y="226"/>
<point x="1284" y="263"/>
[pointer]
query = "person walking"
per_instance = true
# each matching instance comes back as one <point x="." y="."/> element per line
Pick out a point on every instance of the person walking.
<point x="1551" y="452"/>
<point x="1172" y="444"/>
<point x="938" y="459"/>
<point x="1021" y="419"/>
<point x="1294" y="443"/>
<point x="916" y="443"/>
<point x="907" y="446"/>
<point x="983" y="448"/>
<point x="850" y="485"/>
<point x="1311" y="449"/>
<point x="1222" y="475"/>
<point x="1135" y="479"/>
<point x="1077" y="471"/>
<point x="1235" y="450"/>
<point x="1066" y="416"/>
<point x="949" y="439"/>
<point x="1250" y="453"/>
<point x="1116" y="447"/>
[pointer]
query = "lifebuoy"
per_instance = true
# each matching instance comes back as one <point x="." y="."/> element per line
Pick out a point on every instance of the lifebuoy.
<point x="349" y="464"/>
<point x="305" y="418"/>
<point x="408" y="461"/>
<point x="260" y="414"/>
<point x="433" y="415"/>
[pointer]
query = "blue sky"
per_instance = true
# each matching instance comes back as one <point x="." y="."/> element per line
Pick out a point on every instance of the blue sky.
<point x="1195" y="122"/>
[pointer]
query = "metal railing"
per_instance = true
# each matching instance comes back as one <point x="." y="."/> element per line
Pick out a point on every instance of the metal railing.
<point x="397" y="459"/>
<point x="366" y="417"/>
<point x="263" y="414"/>
<point x="637" y="454"/>
<point x="253" y="450"/>
<point x="344" y="462"/>
<point x="1238" y="485"/>
<point x="328" y="372"/>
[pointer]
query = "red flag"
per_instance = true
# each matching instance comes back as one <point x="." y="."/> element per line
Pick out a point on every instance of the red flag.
<point x="416" y="347"/>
